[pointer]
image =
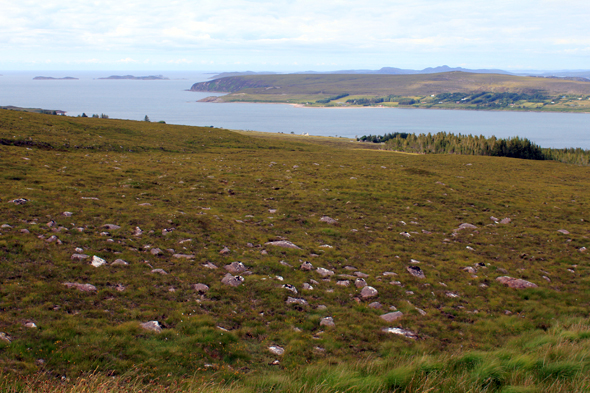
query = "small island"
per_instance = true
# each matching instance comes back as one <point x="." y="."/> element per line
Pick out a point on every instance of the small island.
<point x="50" y="78"/>
<point x="138" y="78"/>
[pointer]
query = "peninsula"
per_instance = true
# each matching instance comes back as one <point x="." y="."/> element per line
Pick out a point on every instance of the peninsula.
<point x="445" y="90"/>
<point x="138" y="78"/>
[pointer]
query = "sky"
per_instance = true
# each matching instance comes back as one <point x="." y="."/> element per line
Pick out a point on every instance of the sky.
<point x="296" y="35"/>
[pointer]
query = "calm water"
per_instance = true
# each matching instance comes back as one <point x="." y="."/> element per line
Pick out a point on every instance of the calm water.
<point x="169" y="101"/>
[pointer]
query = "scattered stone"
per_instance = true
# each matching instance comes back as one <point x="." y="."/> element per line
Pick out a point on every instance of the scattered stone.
<point x="26" y="231"/>
<point x="389" y="274"/>
<point x="314" y="282"/>
<point x="153" y="326"/>
<point x="19" y="201"/>
<point x="285" y="264"/>
<point x="30" y="325"/>
<point x="581" y="249"/>
<point x="469" y="269"/>
<point x="307" y="287"/>
<point x="401" y="332"/>
<point x="276" y="350"/>
<point x="406" y="234"/>
<point x="111" y="227"/>
<point x="291" y="288"/>
<point x="494" y="219"/>
<point x="145" y="204"/>
<point x="233" y="281"/>
<point x="201" y="288"/>
<point x="326" y="246"/>
<point x="420" y="311"/>
<point x="392" y="316"/>
<point x="209" y="265"/>
<point x="515" y="283"/>
<point x="563" y="231"/>
<point x="506" y="221"/>
<point x="328" y="220"/>
<point x="185" y="256"/>
<point x="224" y="251"/>
<point x="451" y="294"/>
<point x="361" y="275"/>
<point x="119" y="262"/>
<point x="547" y="278"/>
<point x="306" y="266"/>
<point x="398" y="283"/>
<point x="97" y="262"/>
<point x="120" y="287"/>
<point x="324" y="272"/>
<point x="79" y="257"/>
<point x="156" y="251"/>
<point x="235" y="267"/>
<point x="51" y="224"/>
<point x="360" y="283"/>
<point x="3" y="336"/>
<point x="5" y="226"/>
<point x="283" y="243"/>
<point x="159" y="271"/>
<point x="137" y="232"/>
<point x="80" y="287"/>
<point x="91" y="198"/>
<point x="415" y="271"/>
<point x="343" y="283"/>
<point x="375" y="305"/>
<point x="368" y="292"/>
<point x="466" y="226"/>
<point x="292" y="300"/>
<point x="470" y="248"/>
<point x="327" y="321"/>
<point x="321" y="307"/>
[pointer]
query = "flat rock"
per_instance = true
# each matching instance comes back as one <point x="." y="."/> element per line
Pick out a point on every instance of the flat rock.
<point x="360" y="283"/>
<point x="361" y="274"/>
<point x="111" y="227"/>
<point x="375" y="305"/>
<point x="285" y="264"/>
<point x="415" y="271"/>
<point x="201" y="288"/>
<point x="283" y="243"/>
<point x="119" y="262"/>
<point x="152" y="326"/>
<point x="291" y="288"/>
<point x="306" y="266"/>
<point x="392" y="316"/>
<point x="97" y="262"/>
<point x="368" y="292"/>
<point x="5" y="337"/>
<point x="19" y="201"/>
<point x="276" y="350"/>
<point x="328" y="220"/>
<point x="505" y="221"/>
<point x="466" y="225"/>
<point x="233" y="281"/>
<point x="401" y="332"/>
<point x="156" y="251"/>
<point x="79" y="257"/>
<point x="327" y="321"/>
<point x="307" y="287"/>
<point x="225" y="251"/>
<point x="80" y="287"/>
<point x="324" y="272"/>
<point x="515" y="283"/>
<point x="235" y="267"/>
<point x="343" y="283"/>
<point x="293" y="300"/>
<point x="184" y="256"/>
<point x="159" y="271"/>
<point x="563" y="231"/>
<point x="470" y="270"/>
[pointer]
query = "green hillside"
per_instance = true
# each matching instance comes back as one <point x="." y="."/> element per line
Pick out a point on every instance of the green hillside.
<point x="116" y="239"/>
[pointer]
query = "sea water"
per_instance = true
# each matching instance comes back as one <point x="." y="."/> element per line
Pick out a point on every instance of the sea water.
<point x="170" y="101"/>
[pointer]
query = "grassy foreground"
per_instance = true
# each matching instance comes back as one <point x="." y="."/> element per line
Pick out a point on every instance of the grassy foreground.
<point x="187" y="199"/>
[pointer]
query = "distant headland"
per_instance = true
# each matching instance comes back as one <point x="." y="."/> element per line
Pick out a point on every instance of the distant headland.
<point x="138" y="78"/>
<point x="50" y="78"/>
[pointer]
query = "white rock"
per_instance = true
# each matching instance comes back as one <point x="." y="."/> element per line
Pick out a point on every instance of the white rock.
<point x="97" y="262"/>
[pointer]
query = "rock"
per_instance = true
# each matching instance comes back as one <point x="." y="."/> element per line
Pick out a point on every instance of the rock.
<point x="466" y="226"/>
<point x="30" y="325"/>
<point x="119" y="262"/>
<point x="547" y="278"/>
<point x="209" y="265"/>
<point x="201" y="288"/>
<point x="111" y="227"/>
<point x="137" y="232"/>
<point x="451" y="294"/>
<point x="97" y="262"/>
<point x="224" y="251"/>
<point x="563" y="231"/>
<point x="292" y="300"/>
<point x="67" y="214"/>
<point x="321" y="307"/>
<point x="145" y="204"/>
<point x="405" y="234"/>
<point x="343" y="283"/>
<point x="159" y="271"/>
<point x="19" y="201"/>
<point x="285" y="264"/>
<point x="375" y="305"/>
<point x="326" y="246"/>
<point x="415" y="271"/>
<point x="283" y="243"/>
<point x="156" y="251"/>
<point x="307" y="287"/>
<point x="314" y="282"/>
<point x="152" y="326"/>
<point x="6" y="226"/>
<point x="327" y="321"/>
<point x="470" y="248"/>
<point x="328" y="220"/>
<point x="5" y="337"/>
<point x="81" y="287"/>
<point x="233" y="281"/>
<point x="79" y="257"/>
<point x="368" y="292"/>
<point x="184" y="256"/>
<point x="515" y="283"/>
<point x="582" y="249"/>
<point x="120" y="287"/>
<point x="25" y="231"/>
<point x="506" y="221"/>
<point x="392" y="316"/>
<point x="51" y="224"/>
<point x="306" y="266"/>
<point x="360" y="283"/>
<point x="324" y="272"/>
<point x="469" y="269"/>
<point x="361" y="275"/>
<point x="401" y="332"/>
<point x="235" y="267"/>
<point x="291" y="288"/>
<point x="276" y="350"/>
<point x="389" y="274"/>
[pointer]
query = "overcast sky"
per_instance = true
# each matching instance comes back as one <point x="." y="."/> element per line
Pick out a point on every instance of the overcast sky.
<point x="293" y="35"/>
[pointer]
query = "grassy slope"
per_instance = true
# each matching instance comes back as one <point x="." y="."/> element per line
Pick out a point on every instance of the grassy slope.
<point x="296" y="88"/>
<point x="216" y="187"/>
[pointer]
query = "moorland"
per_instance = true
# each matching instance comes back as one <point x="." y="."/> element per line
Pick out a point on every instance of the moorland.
<point x="140" y="256"/>
<point x="447" y="90"/>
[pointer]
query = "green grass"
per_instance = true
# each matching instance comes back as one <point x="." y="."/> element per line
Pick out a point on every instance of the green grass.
<point x="217" y="188"/>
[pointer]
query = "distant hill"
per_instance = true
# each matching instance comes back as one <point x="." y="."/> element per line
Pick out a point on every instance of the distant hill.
<point x="141" y="78"/>
<point x="50" y="78"/>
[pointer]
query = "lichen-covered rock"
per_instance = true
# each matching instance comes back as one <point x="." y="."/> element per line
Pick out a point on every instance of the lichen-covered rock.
<point x="516" y="283"/>
<point x="233" y="281"/>
<point x="360" y="283"/>
<point x="375" y="305"/>
<point x="415" y="271"/>
<point x="324" y="272"/>
<point x="328" y="220"/>
<point x="293" y="300"/>
<point x="235" y="267"/>
<point x="291" y="288"/>
<point x="306" y="266"/>
<point x="201" y="288"/>
<point x="368" y="292"/>
<point x="276" y="350"/>
<point x="392" y="316"/>
<point x="97" y="261"/>
<point x="343" y="283"/>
